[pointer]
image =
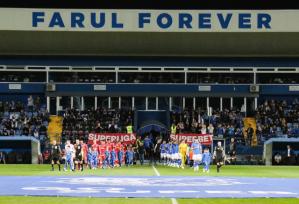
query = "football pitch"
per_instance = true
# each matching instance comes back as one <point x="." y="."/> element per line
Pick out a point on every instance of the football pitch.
<point x="147" y="184"/>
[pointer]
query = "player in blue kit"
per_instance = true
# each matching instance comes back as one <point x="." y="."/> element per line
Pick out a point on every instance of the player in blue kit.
<point x="171" y="150"/>
<point x="69" y="155"/>
<point x="175" y="154"/>
<point x="112" y="157"/>
<point x="169" y="153"/>
<point x="129" y="156"/>
<point x="107" y="158"/>
<point x="95" y="154"/>
<point x="206" y="160"/>
<point x="163" y="153"/>
<point x="89" y="157"/>
<point x="94" y="158"/>
<point x="197" y="154"/>
<point x="120" y="153"/>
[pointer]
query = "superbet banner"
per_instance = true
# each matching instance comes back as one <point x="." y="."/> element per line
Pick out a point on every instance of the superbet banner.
<point x="119" y="137"/>
<point x="205" y="139"/>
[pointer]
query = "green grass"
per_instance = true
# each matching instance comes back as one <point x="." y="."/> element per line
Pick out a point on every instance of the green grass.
<point x="238" y="201"/>
<point x="66" y="200"/>
<point x="238" y="171"/>
<point x="44" y="170"/>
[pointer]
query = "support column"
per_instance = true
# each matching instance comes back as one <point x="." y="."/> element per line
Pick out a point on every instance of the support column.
<point x="231" y="103"/>
<point x="116" y="77"/>
<point x="208" y="104"/>
<point x="57" y="104"/>
<point x="95" y="102"/>
<point x="146" y="103"/>
<point x="133" y="102"/>
<point x="221" y="104"/>
<point x="184" y="103"/>
<point x="194" y="103"/>
<point x="47" y="77"/>
<point x="245" y="105"/>
<point x="255" y="103"/>
<point x="72" y="102"/>
<point x="170" y="103"/>
<point x="109" y="102"/>
<point x="48" y="104"/>
<point x="157" y="103"/>
<point x="82" y="103"/>
<point x="119" y="102"/>
<point x="186" y="78"/>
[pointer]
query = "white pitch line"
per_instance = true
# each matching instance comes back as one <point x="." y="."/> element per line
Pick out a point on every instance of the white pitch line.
<point x="156" y="171"/>
<point x="173" y="200"/>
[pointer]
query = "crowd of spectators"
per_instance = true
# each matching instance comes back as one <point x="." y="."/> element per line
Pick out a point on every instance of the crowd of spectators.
<point x="273" y="118"/>
<point x="217" y="78"/>
<point x="23" y="77"/>
<point x="148" y="77"/>
<point x="277" y="119"/>
<point x="78" y="124"/>
<point x="82" y="77"/>
<point x="19" y="119"/>
<point x="277" y="78"/>
<point x="226" y="123"/>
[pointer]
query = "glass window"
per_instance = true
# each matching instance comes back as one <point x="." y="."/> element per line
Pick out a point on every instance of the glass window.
<point x="152" y="103"/>
<point x="140" y="103"/>
<point x="102" y="102"/>
<point x="89" y="102"/>
<point x="126" y="102"/>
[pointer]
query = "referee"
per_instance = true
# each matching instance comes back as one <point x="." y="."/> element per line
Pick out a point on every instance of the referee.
<point x="219" y="156"/>
<point x="55" y="155"/>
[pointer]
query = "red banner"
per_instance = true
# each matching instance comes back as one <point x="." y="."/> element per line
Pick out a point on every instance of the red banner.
<point x="113" y="137"/>
<point x="205" y="139"/>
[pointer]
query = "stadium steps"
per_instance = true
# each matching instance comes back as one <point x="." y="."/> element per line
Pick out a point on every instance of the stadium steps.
<point x="247" y="121"/>
<point x="55" y="128"/>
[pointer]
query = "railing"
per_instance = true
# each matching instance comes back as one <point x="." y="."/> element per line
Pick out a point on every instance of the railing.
<point x="189" y="69"/>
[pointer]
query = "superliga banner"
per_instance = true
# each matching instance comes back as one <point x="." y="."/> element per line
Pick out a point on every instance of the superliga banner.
<point x="205" y="139"/>
<point x="119" y="137"/>
<point x="109" y="20"/>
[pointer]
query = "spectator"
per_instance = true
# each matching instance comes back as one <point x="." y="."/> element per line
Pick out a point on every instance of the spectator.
<point x="290" y="156"/>
<point x="36" y="134"/>
<point x="232" y="151"/>
<point x="210" y="129"/>
<point x="30" y="103"/>
<point x="141" y="152"/>
<point x="250" y="132"/>
<point x="277" y="159"/>
<point x="147" y="146"/>
<point x="2" y="158"/>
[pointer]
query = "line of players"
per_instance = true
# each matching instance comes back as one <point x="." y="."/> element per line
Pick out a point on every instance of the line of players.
<point x="111" y="154"/>
<point x="176" y="154"/>
<point x="104" y="155"/>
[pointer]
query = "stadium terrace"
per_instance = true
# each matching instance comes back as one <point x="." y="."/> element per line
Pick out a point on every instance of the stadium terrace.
<point x="162" y="20"/>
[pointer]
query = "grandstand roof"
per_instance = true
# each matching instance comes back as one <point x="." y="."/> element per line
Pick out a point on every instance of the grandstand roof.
<point x="149" y="44"/>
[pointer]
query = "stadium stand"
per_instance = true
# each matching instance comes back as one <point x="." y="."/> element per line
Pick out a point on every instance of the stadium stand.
<point x="78" y="124"/>
<point x="19" y="119"/>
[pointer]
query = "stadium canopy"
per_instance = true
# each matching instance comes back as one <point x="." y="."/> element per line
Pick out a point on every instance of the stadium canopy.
<point x="149" y="44"/>
<point x="152" y="125"/>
